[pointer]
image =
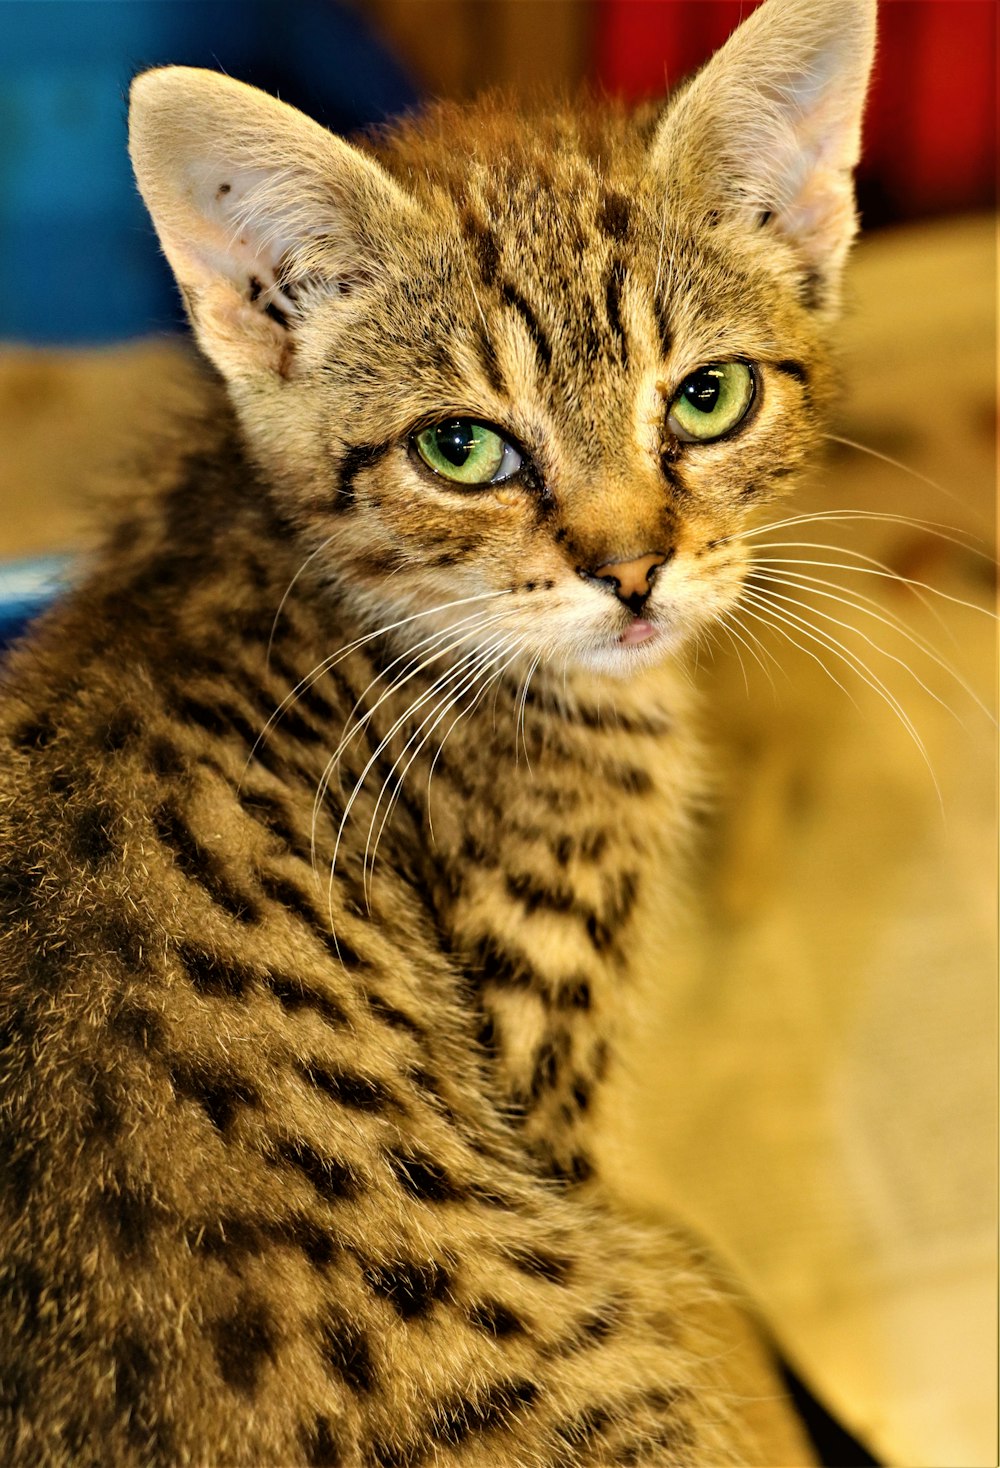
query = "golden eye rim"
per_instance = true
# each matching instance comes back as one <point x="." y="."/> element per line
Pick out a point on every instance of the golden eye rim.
<point x="749" y="412"/>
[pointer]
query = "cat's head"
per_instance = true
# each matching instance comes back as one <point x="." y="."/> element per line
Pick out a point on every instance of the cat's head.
<point x="542" y="369"/>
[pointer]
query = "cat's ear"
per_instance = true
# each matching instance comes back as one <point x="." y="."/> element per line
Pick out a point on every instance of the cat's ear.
<point x="257" y="208"/>
<point x="770" y="129"/>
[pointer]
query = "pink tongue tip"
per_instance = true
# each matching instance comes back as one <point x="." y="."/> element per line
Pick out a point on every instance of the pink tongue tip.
<point x="638" y="631"/>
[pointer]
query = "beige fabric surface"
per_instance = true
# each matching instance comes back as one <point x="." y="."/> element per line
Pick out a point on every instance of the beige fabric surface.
<point x="816" y="1085"/>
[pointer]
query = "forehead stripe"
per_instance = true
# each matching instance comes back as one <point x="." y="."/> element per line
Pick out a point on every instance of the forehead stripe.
<point x="489" y="361"/>
<point x="512" y="297"/>
<point x="612" y="302"/>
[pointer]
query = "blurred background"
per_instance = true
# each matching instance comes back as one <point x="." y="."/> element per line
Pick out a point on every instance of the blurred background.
<point x="68" y="207"/>
<point x="816" y="1089"/>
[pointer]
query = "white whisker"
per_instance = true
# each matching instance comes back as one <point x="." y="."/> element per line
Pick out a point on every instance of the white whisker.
<point x="869" y="607"/>
<point x="768" y="602"/>
<point x="327" y="663"/>
<point x="485" y="659"/>
<point x="862" y="448"/>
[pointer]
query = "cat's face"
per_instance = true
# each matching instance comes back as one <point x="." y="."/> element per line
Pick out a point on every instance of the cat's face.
<point x="527" y="387"/>
<point x="538" y="375"/>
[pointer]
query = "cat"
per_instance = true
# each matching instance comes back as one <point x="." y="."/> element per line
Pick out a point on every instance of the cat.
<point x="335" y="793"/>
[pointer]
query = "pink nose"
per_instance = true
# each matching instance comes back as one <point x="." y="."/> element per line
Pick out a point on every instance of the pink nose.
<point x="632" y="578"/>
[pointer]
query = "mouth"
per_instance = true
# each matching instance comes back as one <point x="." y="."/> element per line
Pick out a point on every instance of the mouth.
<point x="637" y="631"/>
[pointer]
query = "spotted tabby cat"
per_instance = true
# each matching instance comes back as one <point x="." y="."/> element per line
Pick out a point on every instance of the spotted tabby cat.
<point x="336" y="794"/>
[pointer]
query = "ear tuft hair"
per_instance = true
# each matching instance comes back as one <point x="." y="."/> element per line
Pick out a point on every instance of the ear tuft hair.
<point x="770" y="130"/>
<point x="258" y="210"/>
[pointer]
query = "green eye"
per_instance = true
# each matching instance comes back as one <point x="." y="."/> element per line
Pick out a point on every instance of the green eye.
<point x="467" y="452"/>
<point x="711" y="401"/>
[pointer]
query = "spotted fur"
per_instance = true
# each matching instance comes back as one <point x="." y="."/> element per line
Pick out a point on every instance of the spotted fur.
<point x="299" y="1150"/>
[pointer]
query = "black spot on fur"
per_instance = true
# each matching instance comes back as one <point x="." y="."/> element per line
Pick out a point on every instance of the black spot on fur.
<point x="333" y="1180"/>
<point x="135" y="1399"/>
<point x="599" y="933"/>
<point x="199" y="865"/>
<point x="495" y="1319"/>
<point x="585" y="1425"/>
<point x="293" y="996"/>
<point x="387" y="1454"/>
<point x="288" y="895"/>
<point x="21" y="1287"/>
<point x="131" y="1212"/>
<point x="215" y="977"/>
<point x="121" y="728"/>
<point x="220" y="1095"/>
<point x="19" y="881"/>
<point x="279" y="317"/>
<point x="424" y="1178"/>
<point x="316" y="1243"/>
<point x="346" y="1349"/>
<point x="362" y="1093"/>
<point x="540" y="1264"/>
<point x="165" y="759"/>
<point x="630" y="778"/>
<point x="389" y="1014"/>
<point x="90" y="837"/>
<point x="119" y="934"/>
<point x="203" y="715"/>
<point x="456" y="1420"/>
<point x="497" y="965"/>
<point x="244" y="1340"/>
<point x="410" y="1287"/>
<point x="36" y="734"/>
<point x="535" y="895"/>
<point x="546" y="1069"/>
<point x="319" y="1442"/>
<point x="108" y="1108"/>
<point x="577" y="1169"/>
<point x="574" y="994"/>
<point x="228" y="1237"/>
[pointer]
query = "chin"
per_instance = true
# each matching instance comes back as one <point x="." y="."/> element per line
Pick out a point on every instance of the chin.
<point x="624" y="656"/>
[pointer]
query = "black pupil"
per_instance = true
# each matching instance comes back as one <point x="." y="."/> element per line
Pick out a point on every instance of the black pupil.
<point x="455" y="440"/>
<point x="702" y="391"/>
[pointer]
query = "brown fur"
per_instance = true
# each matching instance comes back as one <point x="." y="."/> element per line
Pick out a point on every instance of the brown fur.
<point x="299" y="1153"/>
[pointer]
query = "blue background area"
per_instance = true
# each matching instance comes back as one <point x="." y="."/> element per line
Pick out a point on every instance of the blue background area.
<point x="78" y="257"/>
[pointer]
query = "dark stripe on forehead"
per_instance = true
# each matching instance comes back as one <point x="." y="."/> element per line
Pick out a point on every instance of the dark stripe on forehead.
<point x="489" y="361"/>
<point x="614" y="215"/>
<point x="358" y="456"/>
<point x="484" y="245"/>
<point x="663" y="326"/>
<point x="612" y="303"/>
<point x="512" y="297"/>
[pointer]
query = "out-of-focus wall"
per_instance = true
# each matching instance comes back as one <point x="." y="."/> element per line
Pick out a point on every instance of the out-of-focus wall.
<point x="455" y="48"/>
<point x="931" y="128"/>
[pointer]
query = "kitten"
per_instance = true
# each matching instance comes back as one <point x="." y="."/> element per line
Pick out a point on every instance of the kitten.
<point x="336" y="792"/>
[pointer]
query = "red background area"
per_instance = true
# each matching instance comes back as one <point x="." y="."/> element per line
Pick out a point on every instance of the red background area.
<point x="931" y="126"/>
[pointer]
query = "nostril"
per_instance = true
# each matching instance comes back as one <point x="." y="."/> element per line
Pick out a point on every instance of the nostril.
<point x="632" y="580"/>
